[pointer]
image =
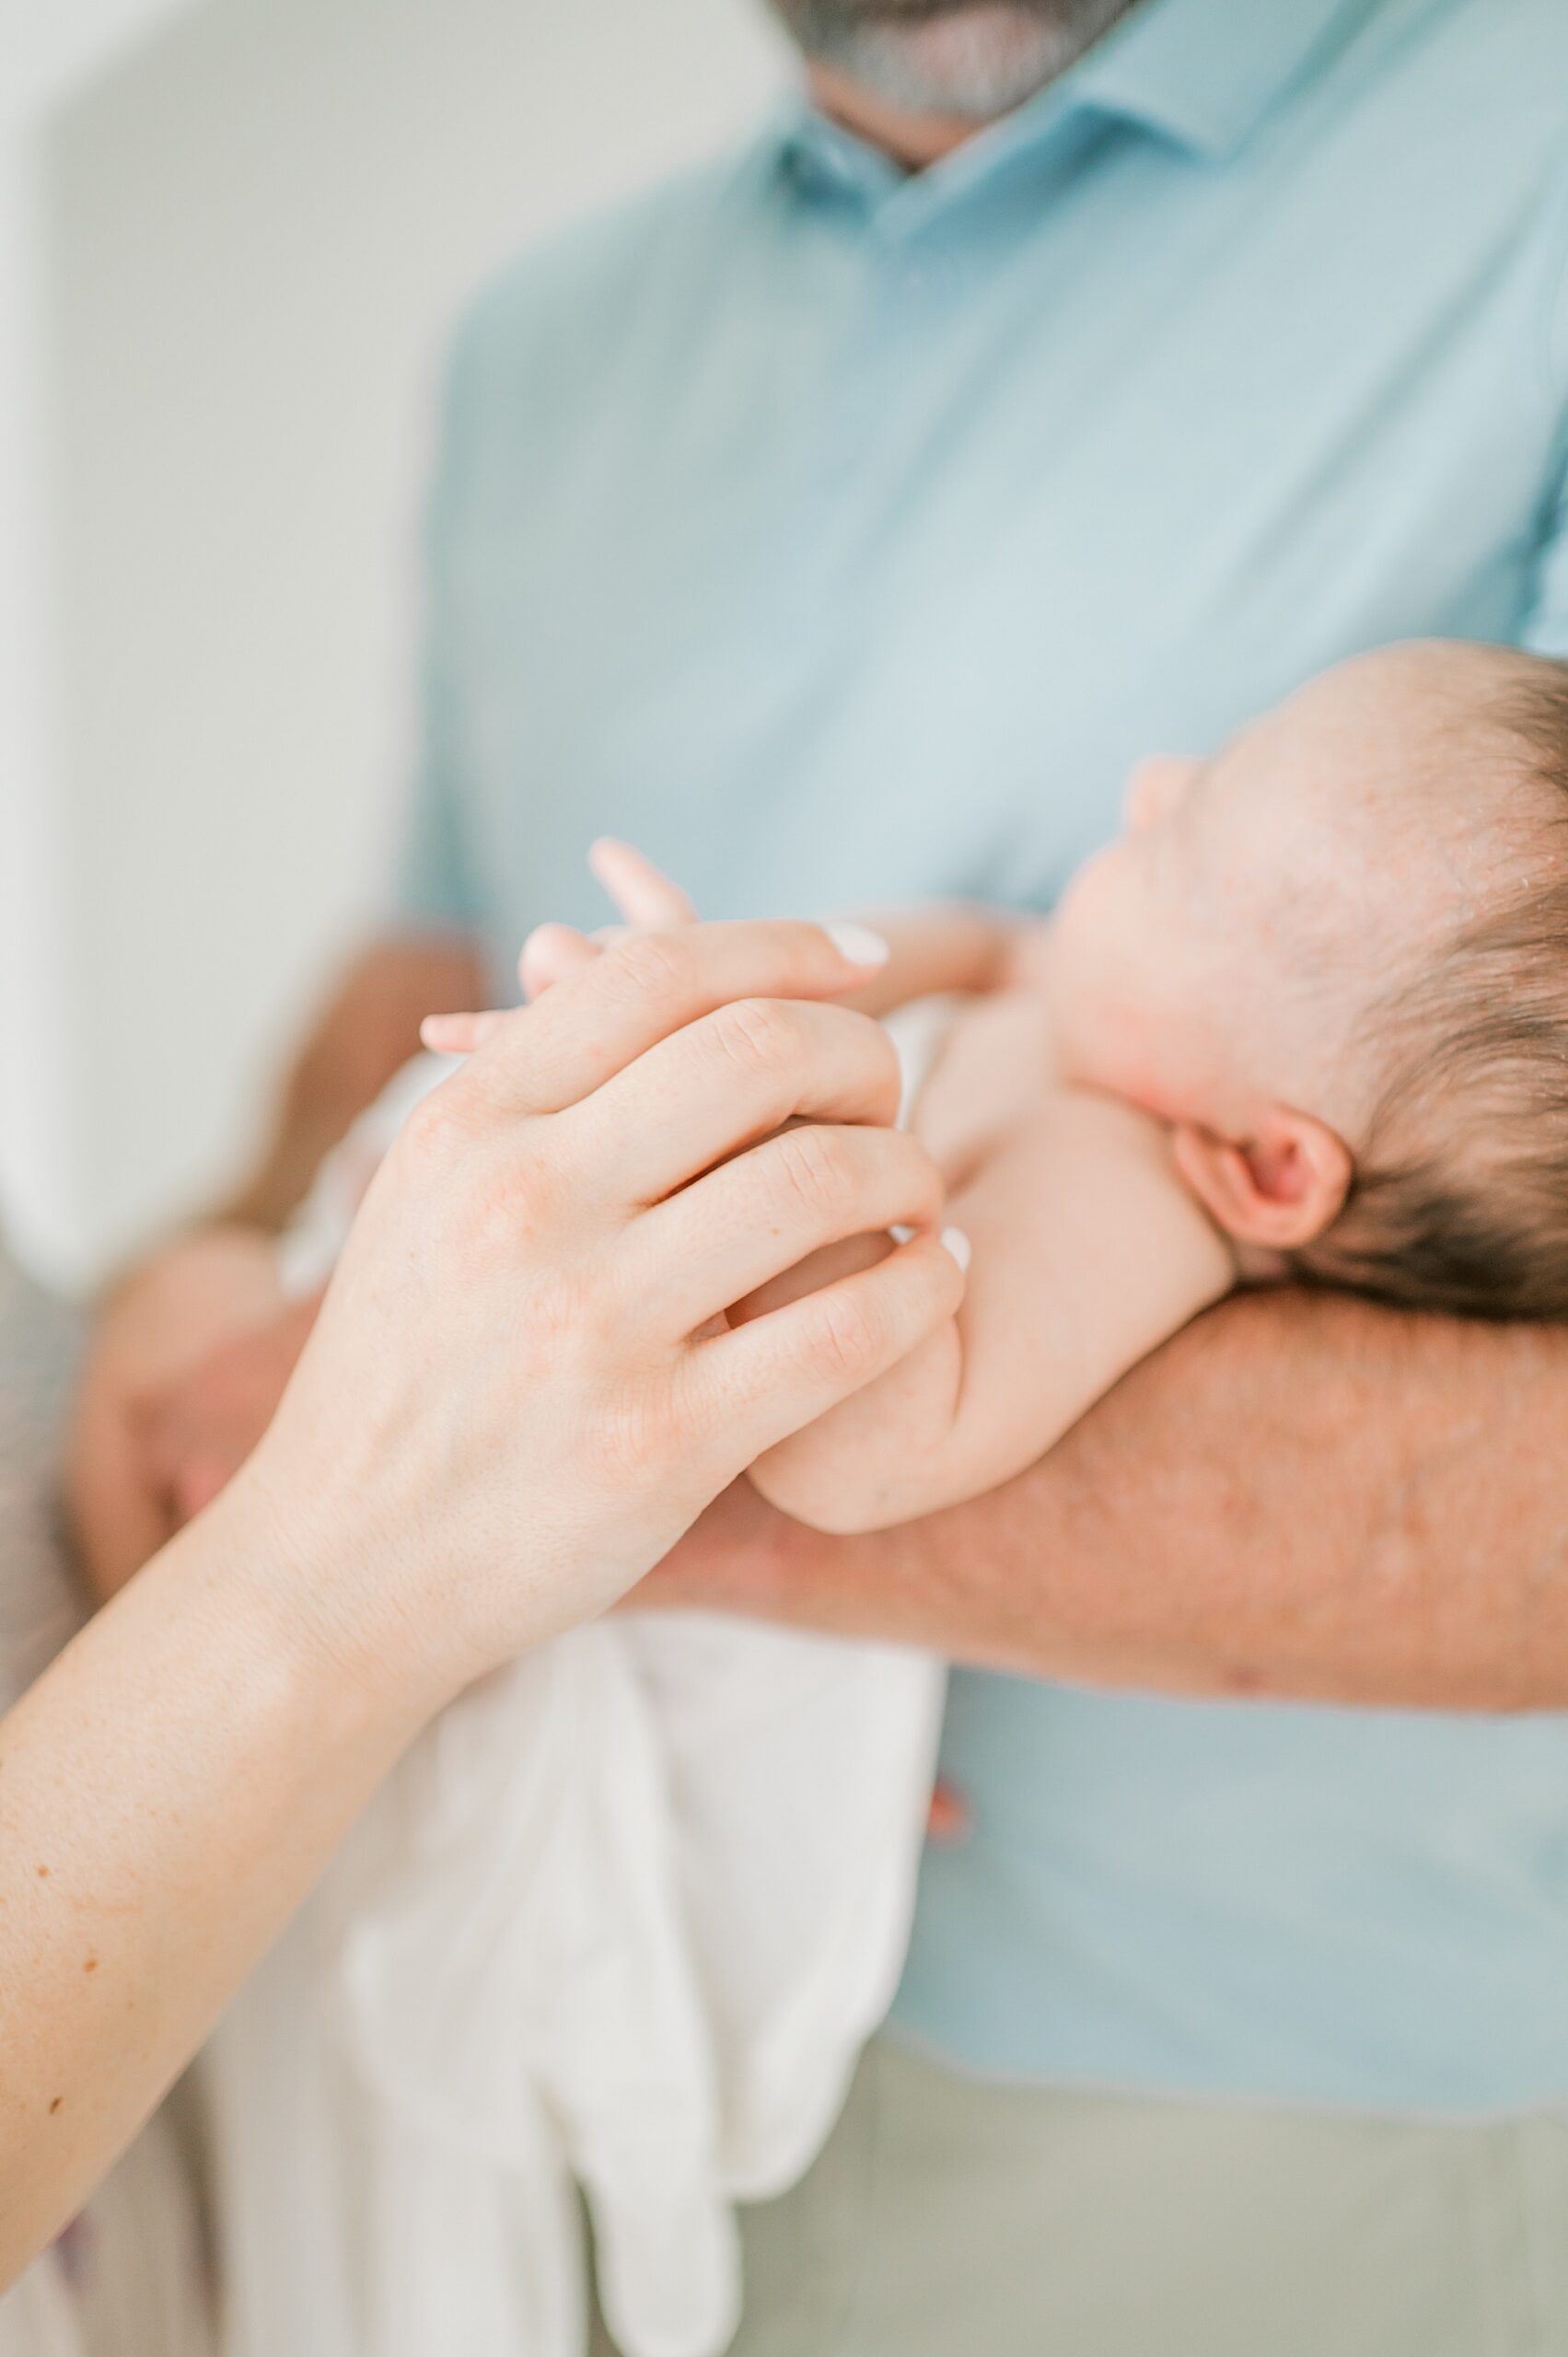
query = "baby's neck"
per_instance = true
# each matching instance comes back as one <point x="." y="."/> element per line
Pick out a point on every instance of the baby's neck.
<point x="1257" y="1266"/>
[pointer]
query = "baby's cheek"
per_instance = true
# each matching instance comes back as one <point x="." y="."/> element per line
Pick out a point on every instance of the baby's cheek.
<point x="1093" y="919"/>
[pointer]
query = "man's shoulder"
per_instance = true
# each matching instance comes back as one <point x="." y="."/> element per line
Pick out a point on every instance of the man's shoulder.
<point x="1472" y="120"/>
<point x="1503" y="62"/>
<point x="570" y="298"/>
<point x="1507" y="78"/>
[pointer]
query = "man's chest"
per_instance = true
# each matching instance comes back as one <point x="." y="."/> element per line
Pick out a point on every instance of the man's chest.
<point x="883" y="599"/>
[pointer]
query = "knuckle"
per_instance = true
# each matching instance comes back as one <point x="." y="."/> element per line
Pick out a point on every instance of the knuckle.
<point x="756" y="1035"/>
<point x="640" y="1431"/>
<point x="647" y="965"/>
<point x="500" y="1209"/>
<point x="562" y="1313"/>
<point x="847" y="1336"/>
<point x="518" y="1200"/>
<point x="439" y="1125"/>
<point x="815" y="1170"/>
<point x="583" y="1298"/>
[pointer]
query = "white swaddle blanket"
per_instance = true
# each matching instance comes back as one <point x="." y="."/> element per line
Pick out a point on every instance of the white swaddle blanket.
<point x="622" y="1921"/>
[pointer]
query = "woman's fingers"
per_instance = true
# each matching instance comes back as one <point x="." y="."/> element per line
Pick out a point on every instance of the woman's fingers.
<point x="720" y="1084"/>
<point x="643" y="893"/>
<point x="597" y="1020"/>
<point x="760" y="1383"/>
<point x="732" y="1231"/>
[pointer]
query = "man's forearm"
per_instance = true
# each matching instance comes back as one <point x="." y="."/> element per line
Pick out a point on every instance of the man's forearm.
<point x="366" y="1032"/>
<point x="1300" y="1496"/>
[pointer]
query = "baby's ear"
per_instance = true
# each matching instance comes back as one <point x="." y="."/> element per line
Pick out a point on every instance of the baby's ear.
<point x="1279" y="1189"/>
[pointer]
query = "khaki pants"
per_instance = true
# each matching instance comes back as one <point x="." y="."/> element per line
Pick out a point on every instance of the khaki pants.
<point x="949" y="2218"/>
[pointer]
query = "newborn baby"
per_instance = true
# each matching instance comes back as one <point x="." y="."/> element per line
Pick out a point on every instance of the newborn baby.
<point x="1307" y="1017"/>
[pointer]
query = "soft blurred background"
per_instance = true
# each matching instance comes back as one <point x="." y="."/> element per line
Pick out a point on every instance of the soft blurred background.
<point x="232" y="234"/>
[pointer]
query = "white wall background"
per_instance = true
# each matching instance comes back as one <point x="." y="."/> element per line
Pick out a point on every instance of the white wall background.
<point x="254" y="231"/>
<point x="44" y="49"/>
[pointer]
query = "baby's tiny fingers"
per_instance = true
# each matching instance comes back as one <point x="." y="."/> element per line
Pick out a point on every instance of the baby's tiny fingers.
<point x="550" y="954"/>
<point x="457" y="1035"/>
<point x="643" y="893"/>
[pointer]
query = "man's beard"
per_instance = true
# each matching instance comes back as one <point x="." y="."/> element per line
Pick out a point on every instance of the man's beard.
<point x="970" y="60"/>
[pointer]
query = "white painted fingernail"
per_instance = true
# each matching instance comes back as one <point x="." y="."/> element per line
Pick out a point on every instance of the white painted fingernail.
<point x="858" y="944"/>
<point x="955" y="1241"/>
<point x="902" y="1234"/>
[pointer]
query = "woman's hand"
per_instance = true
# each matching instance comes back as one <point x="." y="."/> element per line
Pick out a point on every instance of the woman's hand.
<point x="517" y="1395"/>
<point x="520" y="1390"/>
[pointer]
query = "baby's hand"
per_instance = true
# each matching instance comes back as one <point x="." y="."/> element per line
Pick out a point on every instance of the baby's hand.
<point x="647" y="899"/>
<point x="648" y="903"/>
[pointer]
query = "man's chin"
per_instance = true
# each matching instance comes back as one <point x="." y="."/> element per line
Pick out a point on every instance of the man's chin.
<point x="964" y="64"/>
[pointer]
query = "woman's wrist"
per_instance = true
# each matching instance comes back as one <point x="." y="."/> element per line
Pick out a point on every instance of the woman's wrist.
<point x="309" y="1586"/>
<point x="175" y="1782"/>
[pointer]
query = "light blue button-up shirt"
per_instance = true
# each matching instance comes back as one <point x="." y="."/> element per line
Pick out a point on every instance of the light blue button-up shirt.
<point x="839" y="536"/>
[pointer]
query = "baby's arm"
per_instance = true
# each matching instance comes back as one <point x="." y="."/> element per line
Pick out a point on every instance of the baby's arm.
<point x="951" y="948"/>
<point x="1087" y="1254"/>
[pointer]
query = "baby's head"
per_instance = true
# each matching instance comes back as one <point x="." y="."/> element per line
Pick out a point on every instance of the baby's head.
<point x="1335" y="958"/>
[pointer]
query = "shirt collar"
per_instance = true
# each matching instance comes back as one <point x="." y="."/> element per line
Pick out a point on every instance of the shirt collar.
<point x="1201" y="73"/>
<point x="1206" y="72"/>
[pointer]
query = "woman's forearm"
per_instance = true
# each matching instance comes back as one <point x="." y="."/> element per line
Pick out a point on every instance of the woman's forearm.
<point x="1300" y="1497"/>
<point x="168" y="1791"/>
<point x="368" y="1028"/>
